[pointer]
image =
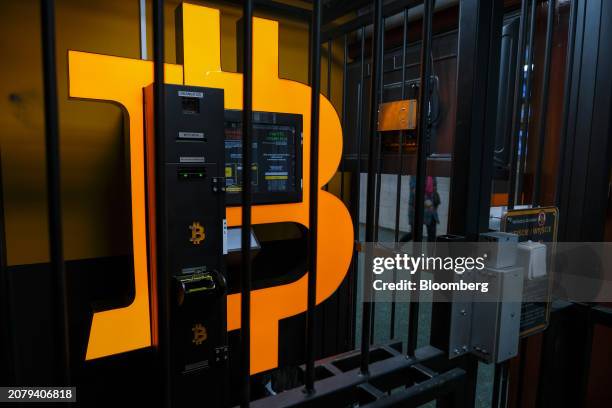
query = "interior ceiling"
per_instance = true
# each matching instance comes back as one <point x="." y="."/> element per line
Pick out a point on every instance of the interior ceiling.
<point x="333" y="9"/>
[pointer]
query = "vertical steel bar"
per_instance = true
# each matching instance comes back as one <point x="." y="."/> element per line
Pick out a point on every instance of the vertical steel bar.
<point x="400" y="154"/>
<point x="401" y="133"/>
<point x="329" y="73"/>
<point x="7" y="339"/>
<point x="356" y="193"/>
<point x="544" y="103"/>
<point x="372" y="142"/>
<point x="500" y="382"/>
<point x="344" y="116"/>
<point x="142" y="6"/>
<point x="163" y="284"/>
<point x="47" y="15"/>
<point x="361" y="101"/>
<point x="315" y="85"/>
<point x="569" y="61"/>
<point x="378" y="171"/>
<point x="516" y="109"/>
<point x="524" y="133"/>
<point x="379" y="151"/>
<point x="421" y="170"/>
<point x="245" y="249"/>
<point x="349" y="304"/>
<point x="329" y="68"/>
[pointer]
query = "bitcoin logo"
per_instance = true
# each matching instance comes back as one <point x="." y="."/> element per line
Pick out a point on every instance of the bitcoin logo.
<point x="120" y="80"/>
<point x="199" y="334"/>
<point x="197" y="233"/>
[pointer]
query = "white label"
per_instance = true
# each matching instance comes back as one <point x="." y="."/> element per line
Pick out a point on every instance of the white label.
<point x="191" y="94"/>
<point x="191" y="135"/>
<point x="192" y="160"/>
<point x="224" y="236"/>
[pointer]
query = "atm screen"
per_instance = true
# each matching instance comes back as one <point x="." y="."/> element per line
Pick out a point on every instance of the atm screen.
<point x="276" y="158"/>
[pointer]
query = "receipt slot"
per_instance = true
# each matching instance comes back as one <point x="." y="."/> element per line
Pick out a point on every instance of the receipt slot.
<point x="190" y="215"/>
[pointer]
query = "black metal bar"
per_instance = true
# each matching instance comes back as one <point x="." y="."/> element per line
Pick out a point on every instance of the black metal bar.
<point x="585" y="189"/>
<point x="567" y="84"/>
<point x="348" y="306"/>
<point x="401" y="133"/>
<point x="500" y="385"/>
<point x="480" y="28"/>
<point x="163" y="284"/>
<point x="522" y="357"/>
<point x="340" y="388"/>
<point x="378" y="174"/>
<point x="400" y="153"/>
<point x="497" y="378"/>
<point x="360" y="114"/>
<point x="527" y="105"/>
<point x="7" y="339"/>
<point x="582" y="386"/>
<point x="344" y="116"/>
<point x="504" y="385"/>
<point x="245" y="249"/>
<point x="362" y="74"/>
<point x="329" y="68"/>
<point x="315" y="85"/>
<point x="445" y="383"/>
<point x="372" y="143"/>
<point x="517" y="102"/>
<point x="329" y="73"/>
<point x="423" y="128"/>
<point x="423" y="124"/>
<point x="356" y="193"/>
<point x="379" y="150"/>
<point x="544" y="103"/>
<point x="47" y="16"/>
<point x="476" y="118"/>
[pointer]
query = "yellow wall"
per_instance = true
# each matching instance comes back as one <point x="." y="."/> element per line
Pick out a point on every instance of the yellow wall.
<point x="94" y="179"/>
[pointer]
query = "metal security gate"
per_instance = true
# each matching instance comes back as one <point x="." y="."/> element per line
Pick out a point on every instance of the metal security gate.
<point x="373" y="375"/>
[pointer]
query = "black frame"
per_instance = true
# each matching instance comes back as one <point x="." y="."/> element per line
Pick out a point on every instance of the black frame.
<point x="272" y="118"/>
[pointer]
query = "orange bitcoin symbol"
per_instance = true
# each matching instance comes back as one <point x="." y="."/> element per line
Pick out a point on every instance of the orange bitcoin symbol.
<point x="197" y="233"/>
<point x="199" y="334"/>
<point x="121" y="80"/>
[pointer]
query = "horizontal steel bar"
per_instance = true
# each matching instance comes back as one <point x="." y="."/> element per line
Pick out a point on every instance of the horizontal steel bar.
<point x="418" y="394"/>
<point x="342" y="386"/>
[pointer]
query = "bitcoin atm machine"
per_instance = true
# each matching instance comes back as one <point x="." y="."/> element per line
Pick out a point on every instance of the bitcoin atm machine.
<point x="194" y="227"/>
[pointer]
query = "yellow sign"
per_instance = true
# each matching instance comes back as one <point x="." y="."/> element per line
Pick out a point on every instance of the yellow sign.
<point x="199" y="334"/>
<point x="197" y="233"/>
<point x="121" y="80"/>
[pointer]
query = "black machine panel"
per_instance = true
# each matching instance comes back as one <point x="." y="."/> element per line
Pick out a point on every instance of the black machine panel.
<point x="194" y="230"/>
<point x="277" y="157"/>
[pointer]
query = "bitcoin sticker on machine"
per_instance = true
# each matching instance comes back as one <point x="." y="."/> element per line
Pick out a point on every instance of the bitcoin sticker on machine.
<point x="121" y="80"/>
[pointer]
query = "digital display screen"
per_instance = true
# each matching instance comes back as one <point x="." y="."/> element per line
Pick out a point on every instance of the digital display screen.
<point x="273" y="161"/>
